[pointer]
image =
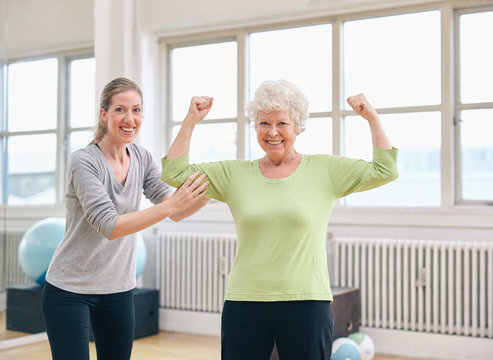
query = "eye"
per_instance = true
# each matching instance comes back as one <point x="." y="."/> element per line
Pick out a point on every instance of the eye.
<point x="119" y="109"/>
<point x="137" y="110"/>
<point x="263" y="123"/>
<point x="283" y="123"/>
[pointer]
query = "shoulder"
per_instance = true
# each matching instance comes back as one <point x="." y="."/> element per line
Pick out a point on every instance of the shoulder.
<point x="86" y="154"/>
<point x="319" y="158"/>
<point x="139" y="151"/>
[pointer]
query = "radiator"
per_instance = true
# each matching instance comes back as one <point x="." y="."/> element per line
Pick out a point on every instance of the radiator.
<point x="193" y="268"/>
<point x="11" y="272"/>
<point x="430" y="286"/>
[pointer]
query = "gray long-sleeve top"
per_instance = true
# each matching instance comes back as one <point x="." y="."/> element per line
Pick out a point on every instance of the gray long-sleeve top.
<point x="85" y="261"/>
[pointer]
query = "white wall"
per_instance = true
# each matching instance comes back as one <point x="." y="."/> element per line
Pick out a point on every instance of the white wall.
<point x="40" y="26"/>
<point x="179" y="17"/>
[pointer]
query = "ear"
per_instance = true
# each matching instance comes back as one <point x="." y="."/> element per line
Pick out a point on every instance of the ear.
<point x="103" y="115"/>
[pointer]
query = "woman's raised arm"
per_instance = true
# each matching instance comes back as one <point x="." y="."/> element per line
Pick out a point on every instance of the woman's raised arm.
<point x="199" y="108"/>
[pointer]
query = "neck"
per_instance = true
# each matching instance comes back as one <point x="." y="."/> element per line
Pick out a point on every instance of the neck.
<point x="289" y="159"/>
<point x="113" y="151"/>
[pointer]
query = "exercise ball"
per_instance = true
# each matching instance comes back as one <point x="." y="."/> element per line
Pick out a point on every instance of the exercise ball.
<point x="365" y="344"/>
<point x="39" y="242"/>
<point x="38" y="245"/>
<point x="141" y="255"/>
<point x="344" y="348"/>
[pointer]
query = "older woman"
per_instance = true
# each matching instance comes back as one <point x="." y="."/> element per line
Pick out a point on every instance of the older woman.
<point x="278" y="289"/>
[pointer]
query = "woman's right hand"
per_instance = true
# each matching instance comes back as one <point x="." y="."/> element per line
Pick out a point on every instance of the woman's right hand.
<point x="190" y="192"/>
<point x="199" y="108"/>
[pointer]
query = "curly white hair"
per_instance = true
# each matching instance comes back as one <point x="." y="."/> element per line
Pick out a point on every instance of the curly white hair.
<point x="280" y="95"/>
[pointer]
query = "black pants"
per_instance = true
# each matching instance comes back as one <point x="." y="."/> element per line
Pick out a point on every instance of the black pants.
<point x="68" y="317"/>
<point x="302" y="330"/>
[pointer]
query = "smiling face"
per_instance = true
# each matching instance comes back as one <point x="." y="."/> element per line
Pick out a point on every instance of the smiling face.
<point x="276" y="134"/>
<point x="124" y="117"/>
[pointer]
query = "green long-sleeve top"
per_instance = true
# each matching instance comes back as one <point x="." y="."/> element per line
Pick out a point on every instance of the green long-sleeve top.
<point x="281" y="224"/>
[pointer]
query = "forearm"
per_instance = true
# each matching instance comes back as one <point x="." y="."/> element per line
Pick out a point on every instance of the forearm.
<point x="191" y="193"/>
<point x="199" y="108"/>
<point x="130" y="223"/>
<point x="181" y="144"/>
<point x="362" y="107"/>
<point x="378" y="136"/>
<point x="180" y="215"/>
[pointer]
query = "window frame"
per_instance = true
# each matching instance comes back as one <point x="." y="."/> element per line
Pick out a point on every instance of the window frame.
<point x="459" y="107"/>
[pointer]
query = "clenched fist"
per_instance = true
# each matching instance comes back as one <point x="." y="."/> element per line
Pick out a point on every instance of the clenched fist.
<point x="362" y="107"/>
<point x="199" y="108"/>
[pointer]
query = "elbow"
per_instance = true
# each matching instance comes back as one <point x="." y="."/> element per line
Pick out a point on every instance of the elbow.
<point x="177" y="218"/>
<point x="394" y="175"/>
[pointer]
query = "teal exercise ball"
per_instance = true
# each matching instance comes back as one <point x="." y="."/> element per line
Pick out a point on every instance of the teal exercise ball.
<point x="38" y="245"/>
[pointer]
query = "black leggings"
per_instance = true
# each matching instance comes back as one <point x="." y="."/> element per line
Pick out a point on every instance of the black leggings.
<point x="300" y="329"/>
<point x="69" y="316"/>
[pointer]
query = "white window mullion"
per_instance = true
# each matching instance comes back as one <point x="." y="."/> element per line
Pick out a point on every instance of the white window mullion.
<point x="447" y="107"/>
<point x="242" y="150"/>
<point x="337" y="87"/>
<point x="62" y="127"/>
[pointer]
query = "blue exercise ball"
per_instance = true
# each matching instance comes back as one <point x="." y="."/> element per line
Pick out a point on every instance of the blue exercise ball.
<point x="38" y="246"/>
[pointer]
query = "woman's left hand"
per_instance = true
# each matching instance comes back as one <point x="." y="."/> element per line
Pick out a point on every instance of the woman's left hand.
<point x="362" y="107"/>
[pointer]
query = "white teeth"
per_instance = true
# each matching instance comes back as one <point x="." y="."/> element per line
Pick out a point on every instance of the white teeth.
<point x="127" y="129"/>
<point x="274" y="142"/>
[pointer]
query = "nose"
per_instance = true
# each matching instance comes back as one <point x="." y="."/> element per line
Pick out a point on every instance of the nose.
<point x="272" y="131"/>
<point x="128" y="115"/>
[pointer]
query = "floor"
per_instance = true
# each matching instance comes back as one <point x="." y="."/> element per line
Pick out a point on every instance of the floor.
<point x="163" y="346"/>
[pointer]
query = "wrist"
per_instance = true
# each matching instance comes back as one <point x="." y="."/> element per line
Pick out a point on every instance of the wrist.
<point x="190" y="121"/>
<point x="373" y="118"/>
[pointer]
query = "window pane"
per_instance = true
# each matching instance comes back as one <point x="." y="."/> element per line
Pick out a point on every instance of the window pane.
<point x="476" y="57"/>
<point x="394" y="60"/>
<point x="79" y="139"/>
<point x="209" y="70"/>
<point x="477" y="154"/>
<point x="286" y="54"/>
<point x="317" y="137"/>
<point x="32" y="95"/>
<point x="212" y="142"/>
<point x="418" y="160"/>
<point x="31" y="169"/>
<point x="82" y="93"/>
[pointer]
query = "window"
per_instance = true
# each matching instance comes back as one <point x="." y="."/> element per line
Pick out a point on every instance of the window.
<point x="82" y="94"/>
<point x="208" y="69"/>
<point x="474" y="110"/>
<point x="383" y="59"/>
<point x="395" y="59"/>
<point x="286" y="54"/>
<point x="34" y="131"/>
